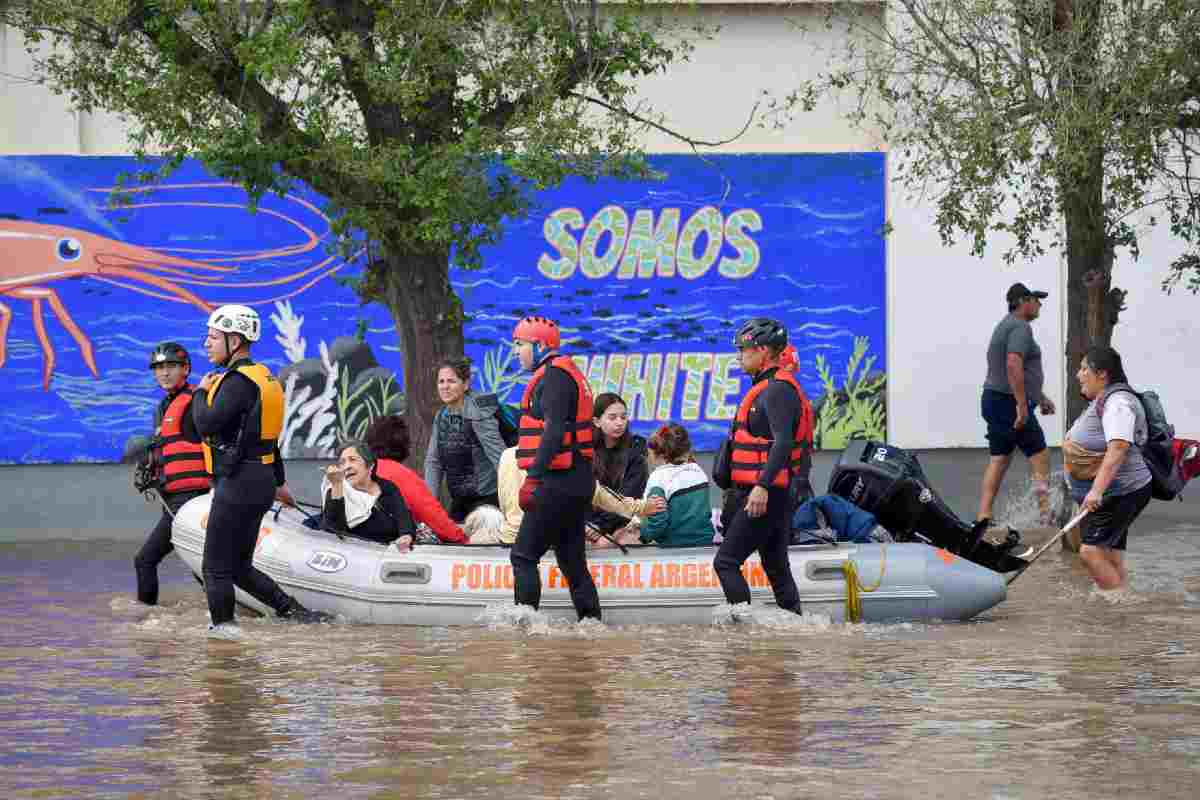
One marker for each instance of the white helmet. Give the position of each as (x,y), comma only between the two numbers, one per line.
(241,320)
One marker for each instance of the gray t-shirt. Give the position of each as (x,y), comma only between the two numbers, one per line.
(1124,419)
(1014,335)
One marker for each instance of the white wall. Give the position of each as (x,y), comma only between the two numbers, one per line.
(942,302)
(35,121)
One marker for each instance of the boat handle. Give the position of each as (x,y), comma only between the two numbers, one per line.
(405,573)
(824,570)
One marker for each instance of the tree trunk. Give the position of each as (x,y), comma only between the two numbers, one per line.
(1089,280)
(429,323)
(1092,303)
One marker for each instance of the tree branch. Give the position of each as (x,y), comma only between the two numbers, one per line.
(233,84)
(664,129)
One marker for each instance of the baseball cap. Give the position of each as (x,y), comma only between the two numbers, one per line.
(1019,291)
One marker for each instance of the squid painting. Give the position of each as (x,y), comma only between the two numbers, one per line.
(35,256)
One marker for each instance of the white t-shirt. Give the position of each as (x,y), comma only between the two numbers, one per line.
(1122,420)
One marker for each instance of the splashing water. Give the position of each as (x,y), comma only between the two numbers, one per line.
(1021,506)
(769,618)
(1117,597)
(508,617)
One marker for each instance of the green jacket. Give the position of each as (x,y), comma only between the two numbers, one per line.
(687,522)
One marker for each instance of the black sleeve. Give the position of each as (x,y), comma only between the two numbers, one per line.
(333,514)
(637,473)
(236,396)
(559,396)
(783,413)
(633,484)
(280,472)
(397,511)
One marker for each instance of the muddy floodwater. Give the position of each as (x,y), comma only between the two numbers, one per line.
(1058,692)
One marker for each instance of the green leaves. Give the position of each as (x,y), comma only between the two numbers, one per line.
(426,124)
(1006,111)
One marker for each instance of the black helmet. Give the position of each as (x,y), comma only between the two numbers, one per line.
(169,353)
(761,331)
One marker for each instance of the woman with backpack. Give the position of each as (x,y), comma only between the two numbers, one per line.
(1107,473)
(466,443)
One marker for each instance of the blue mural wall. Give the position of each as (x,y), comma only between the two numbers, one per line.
(648,280)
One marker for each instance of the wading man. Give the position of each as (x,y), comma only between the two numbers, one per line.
(240,414)
(176,461)
(555,449)
(770,440)
(1011,393)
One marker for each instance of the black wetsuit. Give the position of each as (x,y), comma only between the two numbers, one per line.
(390,518)
(562,503)
(239,503)
(775,416)
(158,545)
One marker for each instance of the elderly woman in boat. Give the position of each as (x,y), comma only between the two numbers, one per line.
(388,437)
(359,503)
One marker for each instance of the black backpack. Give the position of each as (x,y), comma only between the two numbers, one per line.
(1158,452)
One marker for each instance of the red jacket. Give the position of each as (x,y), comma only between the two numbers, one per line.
(421,502)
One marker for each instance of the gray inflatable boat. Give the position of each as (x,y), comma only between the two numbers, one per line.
(437,585)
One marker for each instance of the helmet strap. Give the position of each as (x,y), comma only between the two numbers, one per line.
(769,361)
(229,350)
(541,353)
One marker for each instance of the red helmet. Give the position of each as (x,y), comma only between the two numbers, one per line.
(538,329)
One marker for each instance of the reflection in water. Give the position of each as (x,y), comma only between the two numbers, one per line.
(767,708)
(225,715)
(1056,693)
(560,738)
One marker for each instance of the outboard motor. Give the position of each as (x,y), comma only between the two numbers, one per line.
(889,482)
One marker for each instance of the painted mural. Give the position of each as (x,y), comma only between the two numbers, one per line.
(648,281)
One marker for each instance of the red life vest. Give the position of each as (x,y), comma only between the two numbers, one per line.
(577,439)
(182,461)
(749,453)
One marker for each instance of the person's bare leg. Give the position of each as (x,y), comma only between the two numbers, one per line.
(993,476)
(1039,465)
(1107,574)
(1117,559)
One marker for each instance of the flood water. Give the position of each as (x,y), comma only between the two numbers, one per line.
(1058,692)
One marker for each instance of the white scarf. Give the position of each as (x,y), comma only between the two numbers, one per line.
(358,503)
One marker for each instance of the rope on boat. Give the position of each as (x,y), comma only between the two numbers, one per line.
(854,587)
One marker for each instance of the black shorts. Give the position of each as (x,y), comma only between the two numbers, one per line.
(1108,525)
(1000,412)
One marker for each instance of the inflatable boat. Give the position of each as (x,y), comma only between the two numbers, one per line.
(435,585)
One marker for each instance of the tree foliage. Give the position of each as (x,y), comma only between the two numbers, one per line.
(398,111)
(426,123)
(1051,124)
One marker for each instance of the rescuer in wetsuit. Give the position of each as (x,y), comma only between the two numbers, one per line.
(555,448)
(240,414)
(175,461)
(770,441)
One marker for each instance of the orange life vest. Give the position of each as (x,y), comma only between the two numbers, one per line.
(263,423)
(182,461)
(749,453)
(577,439)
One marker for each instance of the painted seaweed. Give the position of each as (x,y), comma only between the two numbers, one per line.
(856,410)
(333,404)
(495,377)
